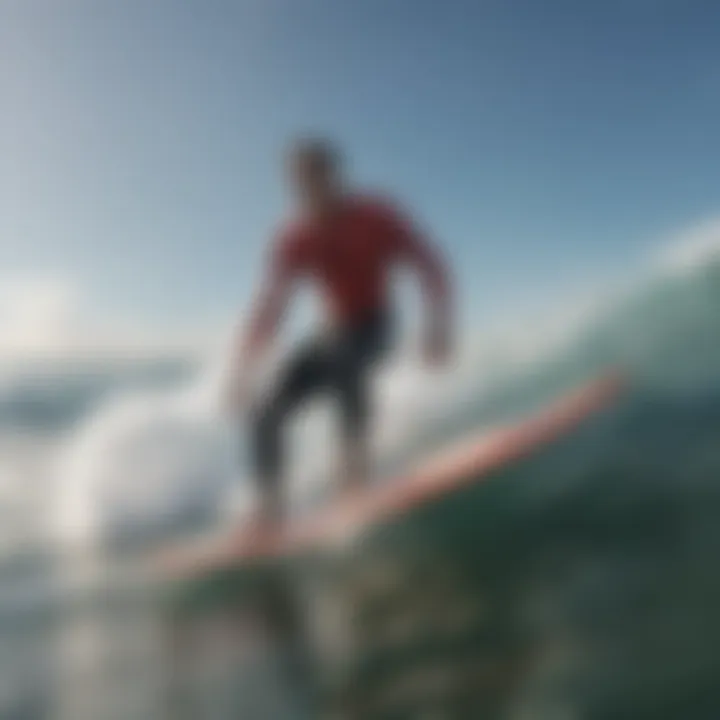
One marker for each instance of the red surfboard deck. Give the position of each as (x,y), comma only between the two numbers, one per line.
(467,462)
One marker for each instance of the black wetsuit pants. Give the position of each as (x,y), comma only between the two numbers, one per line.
(337,364)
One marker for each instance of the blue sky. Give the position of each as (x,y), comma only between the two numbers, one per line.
(546,144)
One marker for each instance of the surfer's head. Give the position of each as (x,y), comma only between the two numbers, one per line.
(315,172)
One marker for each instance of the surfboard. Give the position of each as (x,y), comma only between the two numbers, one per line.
(218,564)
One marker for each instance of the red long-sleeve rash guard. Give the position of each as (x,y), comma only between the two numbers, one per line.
(350,256)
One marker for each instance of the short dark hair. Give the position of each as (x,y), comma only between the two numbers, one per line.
(320,152)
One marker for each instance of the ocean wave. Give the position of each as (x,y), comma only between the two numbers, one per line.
(621,518)
(149,448)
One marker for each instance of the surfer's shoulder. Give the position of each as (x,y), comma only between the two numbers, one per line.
(376,206)
(290,241)
(292,231)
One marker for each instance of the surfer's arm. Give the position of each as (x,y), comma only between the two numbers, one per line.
(417,252)
(269,306)
(255,336)
(251,342)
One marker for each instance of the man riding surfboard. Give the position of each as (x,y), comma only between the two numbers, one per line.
(347,244)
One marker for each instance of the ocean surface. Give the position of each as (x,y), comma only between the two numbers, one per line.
(598,564)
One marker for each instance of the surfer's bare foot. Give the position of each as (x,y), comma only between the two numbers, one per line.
(262,525)
(351,489)
(355,469)
(257,532)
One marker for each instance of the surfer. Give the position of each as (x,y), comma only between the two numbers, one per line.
(347,244)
